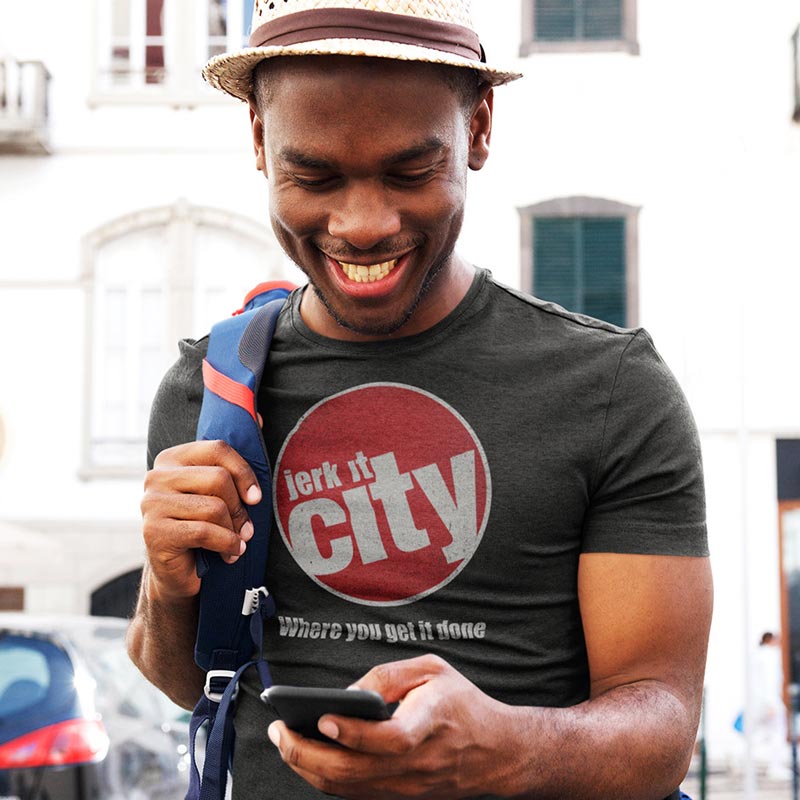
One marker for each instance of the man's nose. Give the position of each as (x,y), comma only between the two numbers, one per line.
(364,216)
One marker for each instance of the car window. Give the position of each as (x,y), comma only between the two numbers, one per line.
(24,677)
(36,685)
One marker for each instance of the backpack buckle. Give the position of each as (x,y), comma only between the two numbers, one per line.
(217,681)
(252,600)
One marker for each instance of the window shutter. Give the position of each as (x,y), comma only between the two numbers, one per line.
(555,261)
(604,292)
(579,263)
(566,20)
(555,20)
(602,19)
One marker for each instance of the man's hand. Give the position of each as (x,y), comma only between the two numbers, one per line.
(195,496)
(447,739)
(646,621)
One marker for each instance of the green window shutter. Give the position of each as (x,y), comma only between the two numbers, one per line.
(556,275)
(556,20)
(602,19)
(604,269)
(579,263)
(569,20)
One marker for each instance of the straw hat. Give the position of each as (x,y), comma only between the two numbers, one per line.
(435,31)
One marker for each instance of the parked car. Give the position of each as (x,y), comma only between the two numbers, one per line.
(78,720)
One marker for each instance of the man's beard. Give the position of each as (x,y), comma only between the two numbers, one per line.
(390,327)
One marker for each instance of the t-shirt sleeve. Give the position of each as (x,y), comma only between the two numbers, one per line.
(648,495)
(176,405)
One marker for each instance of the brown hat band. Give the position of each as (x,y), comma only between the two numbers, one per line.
(359,23)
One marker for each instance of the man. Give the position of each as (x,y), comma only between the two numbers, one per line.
(490,509)
(770,724)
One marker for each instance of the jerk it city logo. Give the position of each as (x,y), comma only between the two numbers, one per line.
(382,493)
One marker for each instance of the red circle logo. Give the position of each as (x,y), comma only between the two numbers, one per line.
(382,493)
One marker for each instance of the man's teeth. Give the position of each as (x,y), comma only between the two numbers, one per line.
(368,274)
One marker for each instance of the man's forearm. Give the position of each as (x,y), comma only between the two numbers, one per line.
(634,741)
(161,643)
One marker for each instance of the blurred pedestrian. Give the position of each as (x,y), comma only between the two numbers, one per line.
(770,731)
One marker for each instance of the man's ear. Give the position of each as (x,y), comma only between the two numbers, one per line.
(258,137)
(480,128)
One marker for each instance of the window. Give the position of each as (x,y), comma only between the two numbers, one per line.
(578,25)
(24,107)
(153,278)
(12,598)
(581,253)
(154,50)
(580,264)
(25,673)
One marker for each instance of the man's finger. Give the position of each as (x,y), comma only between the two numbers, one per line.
(395,679)
(181,535)
(215,453)
(329,767)
(202,481)
(209,505)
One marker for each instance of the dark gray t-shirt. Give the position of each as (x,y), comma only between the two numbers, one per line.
(434,494)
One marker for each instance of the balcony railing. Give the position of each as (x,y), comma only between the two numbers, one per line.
(24,107)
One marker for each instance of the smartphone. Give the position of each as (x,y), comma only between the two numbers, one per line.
(300,707)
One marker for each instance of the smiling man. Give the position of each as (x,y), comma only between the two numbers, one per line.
(487,509)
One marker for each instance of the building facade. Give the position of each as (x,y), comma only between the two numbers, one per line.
(645,170)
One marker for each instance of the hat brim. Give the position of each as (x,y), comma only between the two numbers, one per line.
(233,72)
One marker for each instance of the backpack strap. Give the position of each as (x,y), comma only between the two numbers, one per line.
(233,601)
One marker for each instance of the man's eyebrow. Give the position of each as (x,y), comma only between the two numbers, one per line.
(304,160)
(430,146)
(297,158)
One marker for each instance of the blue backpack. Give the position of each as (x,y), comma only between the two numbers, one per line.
(233,599)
